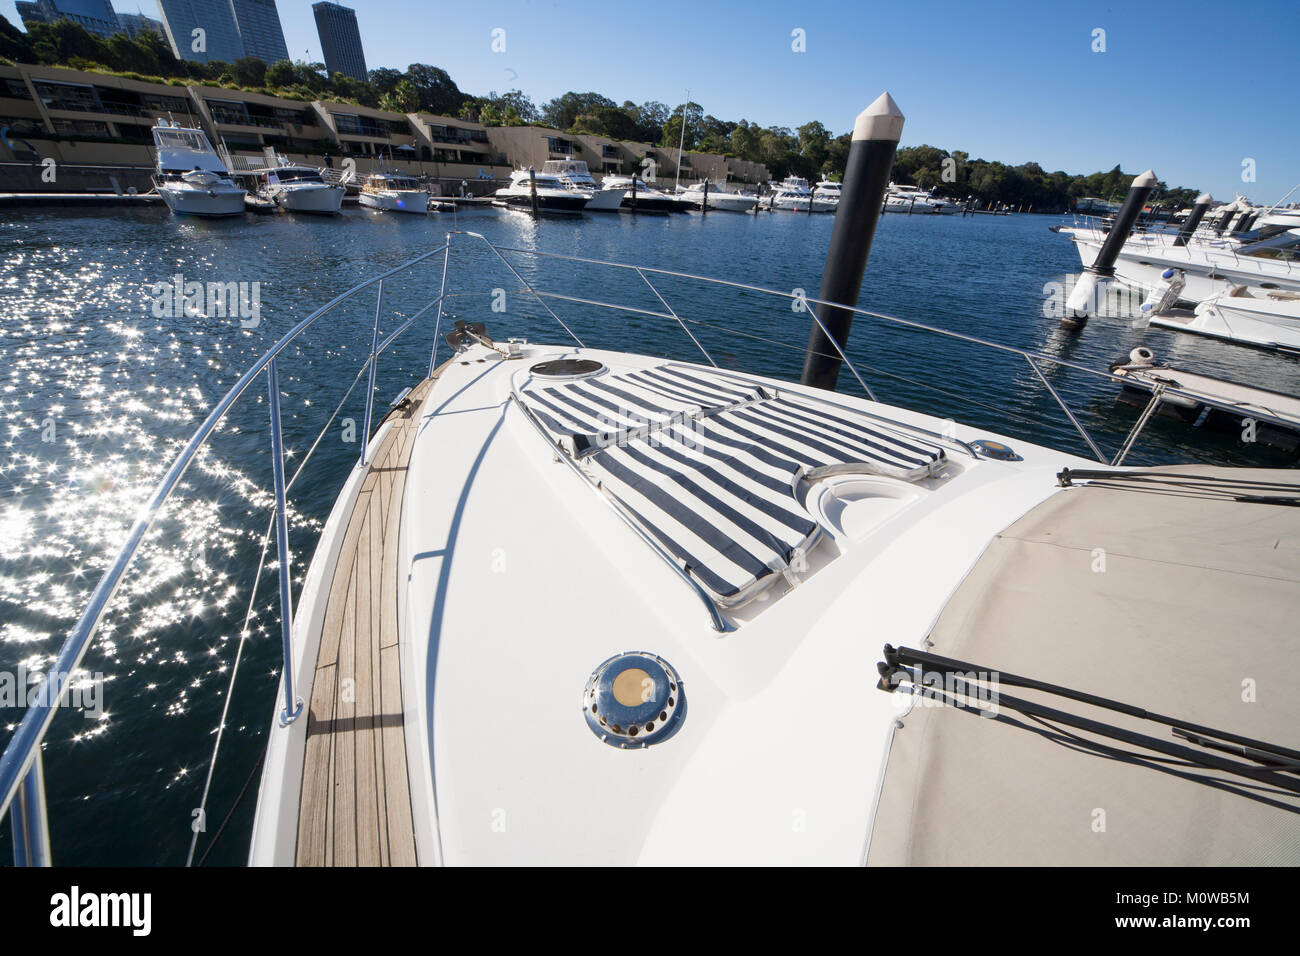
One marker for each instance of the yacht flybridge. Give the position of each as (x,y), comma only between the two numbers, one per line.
(189,176)
(577,605)
(574,176)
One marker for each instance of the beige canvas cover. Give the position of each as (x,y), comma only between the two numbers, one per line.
(1179,600)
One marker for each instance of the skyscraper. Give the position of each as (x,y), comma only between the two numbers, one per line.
(259,29)
(96,16)
(219,39)
(340,39)
(133,24)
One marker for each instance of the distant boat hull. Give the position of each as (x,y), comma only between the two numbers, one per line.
(652,202)
(546,201)
(726,202)
(214,201)
(396,200)
(314,199)
(1264,323)
(605,200)
(800,204)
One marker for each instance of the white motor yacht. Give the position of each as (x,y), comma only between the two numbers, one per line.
(640,196)
(794,195)
(1269,320)
(573,173)
(553,194)
(190,176)
(296,188)
(578,605)
(913,199)
(719,198)
(394,192)
(829,190)
(1211,267)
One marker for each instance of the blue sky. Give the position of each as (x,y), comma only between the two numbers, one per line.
(1190,89)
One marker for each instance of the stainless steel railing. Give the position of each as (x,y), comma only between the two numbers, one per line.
(22,791)
(21,780)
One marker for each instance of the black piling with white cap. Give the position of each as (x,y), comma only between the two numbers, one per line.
(532,190)
(1086,292)
(866,177)
(1225,218)
(1193,219)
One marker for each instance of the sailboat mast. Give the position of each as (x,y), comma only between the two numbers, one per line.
(681,142)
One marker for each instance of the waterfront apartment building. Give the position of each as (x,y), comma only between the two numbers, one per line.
(97,16)
(340,39)
(231,29)
(100,124)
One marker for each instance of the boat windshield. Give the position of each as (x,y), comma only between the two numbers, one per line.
(181,139)
(295,174)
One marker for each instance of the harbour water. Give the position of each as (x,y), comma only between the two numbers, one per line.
(100,388)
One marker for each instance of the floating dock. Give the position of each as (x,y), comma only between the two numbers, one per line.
(1202,399)
(48,200)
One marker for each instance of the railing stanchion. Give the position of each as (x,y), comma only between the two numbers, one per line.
(292,704)
(28,821)
(1157,394)
(442,294)
(1065,408)
(370,388)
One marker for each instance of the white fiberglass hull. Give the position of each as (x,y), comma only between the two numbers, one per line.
(605,200)
(717,792)
(190,200)
(800,204)
(323,200)
(726,202)
(1207,273)
(1265,323)
(396,200)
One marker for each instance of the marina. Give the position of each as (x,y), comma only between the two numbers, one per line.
(370,537)
(474,450)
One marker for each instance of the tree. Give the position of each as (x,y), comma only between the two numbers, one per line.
(402,99)
(435,90)
(280,75)
(563,110)
(249,71)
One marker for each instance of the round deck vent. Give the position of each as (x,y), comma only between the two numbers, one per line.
(634,699)
(567,368)
(995,450)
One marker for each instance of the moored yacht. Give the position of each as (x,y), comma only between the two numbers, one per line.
(794,195)
(552,193)
(829,190)
(639,196)
(914,199)
(591,605)
(297,188)
(718,198)
(1210,268)
(393,192)
(573,173)
(189,176)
